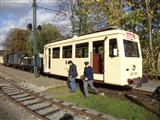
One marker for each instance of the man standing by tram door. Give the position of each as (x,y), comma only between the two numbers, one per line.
(72,73)
(88,79)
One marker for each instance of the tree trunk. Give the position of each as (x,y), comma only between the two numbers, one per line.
(150,33)
(150,40)
(149,17)
(158,65)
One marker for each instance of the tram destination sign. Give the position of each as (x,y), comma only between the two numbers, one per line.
(130,36)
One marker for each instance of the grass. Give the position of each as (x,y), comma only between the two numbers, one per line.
(118,108)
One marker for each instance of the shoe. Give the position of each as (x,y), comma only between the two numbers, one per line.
(86,97)
(139,85)
(95,92)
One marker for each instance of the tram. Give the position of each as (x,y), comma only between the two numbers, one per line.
(115,56)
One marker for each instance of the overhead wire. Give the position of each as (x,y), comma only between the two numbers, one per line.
(48,9)
(30,8)
(24,15)
(51,10)
(26,12)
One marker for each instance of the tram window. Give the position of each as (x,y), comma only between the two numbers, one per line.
(82,50)
(67,51)
(55,52)
(112,46)
(98,47)
(130,48)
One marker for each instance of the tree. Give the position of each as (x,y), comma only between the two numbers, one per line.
(92,15)
(29,45)
(20,41)
(47,34)
(79,16)
(16,41)
(70,6)
(144,19)
(83,16)
(113,12)
(151,7)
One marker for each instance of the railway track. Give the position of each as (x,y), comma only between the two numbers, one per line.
(43,107)
(137,96)
(145,99)
(140,97)
(151,76)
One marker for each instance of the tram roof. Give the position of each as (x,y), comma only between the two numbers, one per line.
(90,35)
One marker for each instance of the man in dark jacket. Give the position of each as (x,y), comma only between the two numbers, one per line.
(72,73)
(88,79)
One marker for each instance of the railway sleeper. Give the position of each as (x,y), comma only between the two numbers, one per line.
(15,93)
(40,107)
(32,102)
(55,114)
(25,98)
(12,91)
(21,96)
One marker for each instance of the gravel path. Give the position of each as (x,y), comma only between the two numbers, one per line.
(27,79)
(10,111)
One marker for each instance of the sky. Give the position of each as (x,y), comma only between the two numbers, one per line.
(18,13)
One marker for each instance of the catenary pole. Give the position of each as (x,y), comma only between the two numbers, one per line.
(35,38)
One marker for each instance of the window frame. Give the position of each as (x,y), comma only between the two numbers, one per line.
(81,46)
(53,53)
(65,47)
(137,52)
(113,48)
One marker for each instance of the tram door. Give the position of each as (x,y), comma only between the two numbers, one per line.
(98,57)
(113,62)
(49,58)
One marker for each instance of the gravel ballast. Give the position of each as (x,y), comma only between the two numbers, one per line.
(11,111)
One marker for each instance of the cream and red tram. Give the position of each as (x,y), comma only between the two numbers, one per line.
(115,56)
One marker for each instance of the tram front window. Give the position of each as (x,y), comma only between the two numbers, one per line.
(131,48)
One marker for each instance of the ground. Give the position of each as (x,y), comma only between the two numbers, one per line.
(118,108)
(110,105)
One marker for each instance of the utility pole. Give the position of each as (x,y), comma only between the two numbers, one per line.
(35,38)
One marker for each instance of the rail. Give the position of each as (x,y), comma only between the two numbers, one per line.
(27,98)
